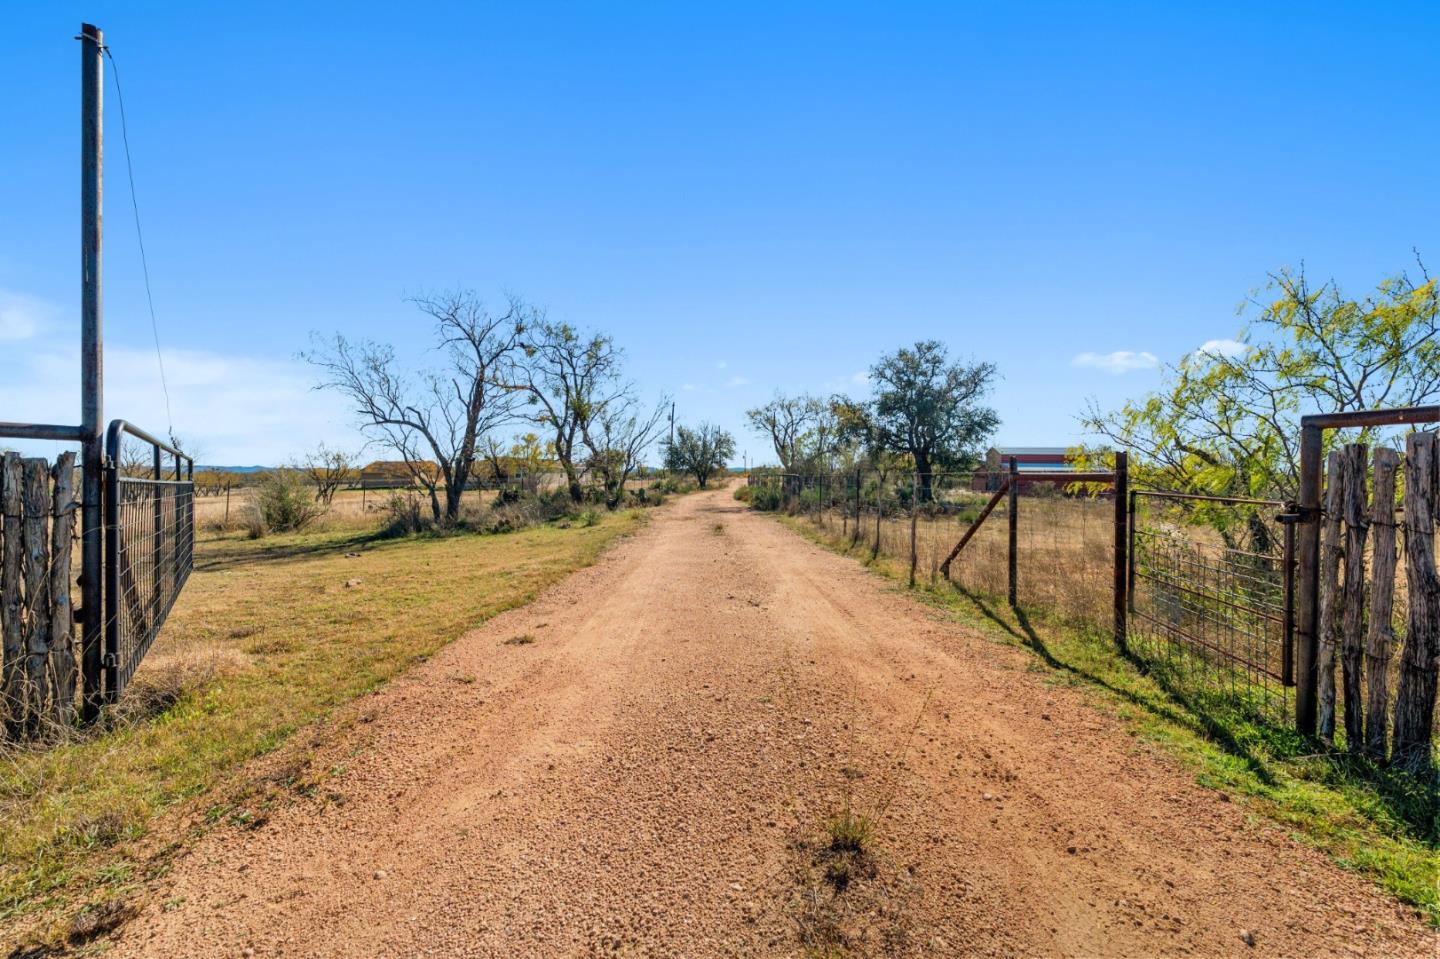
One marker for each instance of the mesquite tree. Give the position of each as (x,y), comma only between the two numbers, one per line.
(328,469)
(569,380)
(617,436)
(701,452)
(439,415)
(1226,421)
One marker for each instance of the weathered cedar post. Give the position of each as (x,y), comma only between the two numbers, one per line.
(1308,606)
(1014,559)
(12,480)
(1331,552)
(1380,639)
(1415,699)
(1122,546)
(1357,525)
(92,43)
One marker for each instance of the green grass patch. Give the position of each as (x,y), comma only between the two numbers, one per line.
(1379,824)
(270,635)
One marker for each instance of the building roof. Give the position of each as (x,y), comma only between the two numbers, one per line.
(1056,451)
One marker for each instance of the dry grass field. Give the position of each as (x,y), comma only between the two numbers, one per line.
(269,635)
(1065,544)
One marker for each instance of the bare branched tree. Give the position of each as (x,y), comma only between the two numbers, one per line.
(441,415)
(617,436)
(328,469)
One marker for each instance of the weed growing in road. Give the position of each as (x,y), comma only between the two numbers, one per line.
(718,529)
(850,832)
(524,639)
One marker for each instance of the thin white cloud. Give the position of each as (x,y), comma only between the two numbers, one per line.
(22,316)
(233,410)
(1226,348)
(861,378)
(721,364)
(690,387)
(735,381)
(1120,361)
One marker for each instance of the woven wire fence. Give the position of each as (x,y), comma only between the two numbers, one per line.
(1064,538)
(154,536)
(1211,603)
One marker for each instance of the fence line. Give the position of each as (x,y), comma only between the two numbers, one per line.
(1210,591)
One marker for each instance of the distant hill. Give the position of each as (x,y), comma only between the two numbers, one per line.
(231,469)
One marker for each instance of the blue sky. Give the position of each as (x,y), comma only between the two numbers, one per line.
(749,197)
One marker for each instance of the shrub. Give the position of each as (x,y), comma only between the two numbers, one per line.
(589,518)
(766,498)
(743,493)
(404,515)
(285,503)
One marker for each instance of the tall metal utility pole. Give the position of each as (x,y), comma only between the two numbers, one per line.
(92,79)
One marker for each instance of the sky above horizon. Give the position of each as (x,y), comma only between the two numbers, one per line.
(748,197)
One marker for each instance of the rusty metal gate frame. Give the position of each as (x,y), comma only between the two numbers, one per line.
(157,560)
(1189,582)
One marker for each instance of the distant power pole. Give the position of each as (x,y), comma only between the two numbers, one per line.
(672,424)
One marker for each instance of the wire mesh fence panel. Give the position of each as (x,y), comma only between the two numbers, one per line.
(1211,600)
(154,535)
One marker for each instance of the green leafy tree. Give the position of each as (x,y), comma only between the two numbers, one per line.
(701,452)
(1227,419)
(930,408)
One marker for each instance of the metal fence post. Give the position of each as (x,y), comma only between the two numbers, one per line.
(914,514)
(1013,566)
(1308,603)
(1122,544)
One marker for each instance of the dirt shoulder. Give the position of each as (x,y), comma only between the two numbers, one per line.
(644,762)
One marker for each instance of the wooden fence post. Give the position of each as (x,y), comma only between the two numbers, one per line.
(62,608)
(1012,570)
(37,590)
(914,515)
(1329,596)
(1381,637)
(1122,548)
(13,592)
(1354,463)
(1415,699)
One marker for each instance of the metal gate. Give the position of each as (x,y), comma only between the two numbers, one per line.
(1211,614)
(149,545)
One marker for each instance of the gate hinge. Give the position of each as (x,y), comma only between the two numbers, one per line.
(111,661)
(1295,513)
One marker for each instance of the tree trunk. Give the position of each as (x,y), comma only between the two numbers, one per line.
(1381,637)
(1415,700)
(1329,597)
(1354,465)
(922,467)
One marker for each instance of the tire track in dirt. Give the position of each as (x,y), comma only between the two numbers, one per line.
(652,775)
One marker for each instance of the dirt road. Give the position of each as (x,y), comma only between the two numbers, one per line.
(644,763)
